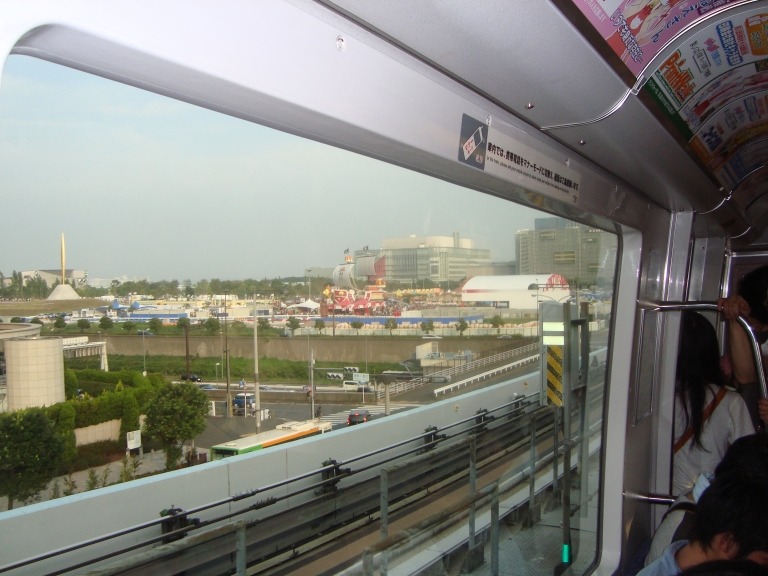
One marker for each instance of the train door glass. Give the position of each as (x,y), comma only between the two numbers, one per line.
(162,200)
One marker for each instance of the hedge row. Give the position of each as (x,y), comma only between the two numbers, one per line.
(130,395)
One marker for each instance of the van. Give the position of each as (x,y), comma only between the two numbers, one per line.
(350,385)
(241,402)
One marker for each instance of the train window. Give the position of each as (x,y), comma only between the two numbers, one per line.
(193,213)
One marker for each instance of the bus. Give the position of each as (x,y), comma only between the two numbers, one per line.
(285,432)
(615,143)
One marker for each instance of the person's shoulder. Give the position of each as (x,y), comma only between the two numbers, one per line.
(665,565)
(740,567)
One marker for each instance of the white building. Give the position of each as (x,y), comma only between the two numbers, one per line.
(521,292)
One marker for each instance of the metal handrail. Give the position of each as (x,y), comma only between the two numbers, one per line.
(712,307)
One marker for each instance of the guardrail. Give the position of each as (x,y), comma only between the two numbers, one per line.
(485,375)
(407,385)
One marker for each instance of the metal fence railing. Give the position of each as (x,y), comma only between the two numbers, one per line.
(472,366)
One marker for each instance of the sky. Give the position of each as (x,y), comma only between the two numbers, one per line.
(143,186)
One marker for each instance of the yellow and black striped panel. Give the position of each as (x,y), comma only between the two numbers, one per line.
(555,375)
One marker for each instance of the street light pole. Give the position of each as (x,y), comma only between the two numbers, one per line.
(226,358)
(312,381)
(144,350)
(256,399)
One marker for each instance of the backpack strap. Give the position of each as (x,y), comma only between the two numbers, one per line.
(683,440)
(684,505)
(685,527)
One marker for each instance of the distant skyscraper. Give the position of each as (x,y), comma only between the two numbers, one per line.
(435,258)
(572,250)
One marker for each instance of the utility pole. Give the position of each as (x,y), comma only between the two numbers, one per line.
(226,359)
(257,400)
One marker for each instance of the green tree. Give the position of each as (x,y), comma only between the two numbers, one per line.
(293,324)
(212,325)
(461,326)
(390,324)
(129,325)
(70,486)
(183,323)
(71,383)
(30,454)
(83,324)
(189,290)
(356,325)
(97,480)
(427,326)
(65,427)
(130,465)
(264,324)
(60,323)
(130,420)
(175,415)
(320,325)
(203,287)
(105,323)
(155,324)
(497,322)
(36,287)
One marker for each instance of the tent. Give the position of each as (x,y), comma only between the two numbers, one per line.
(307,305)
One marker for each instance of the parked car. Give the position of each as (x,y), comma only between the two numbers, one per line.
(191,377)
(144,332)
(208,387)
(358,417)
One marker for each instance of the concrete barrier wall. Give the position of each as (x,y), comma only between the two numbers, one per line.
(348,350)
(141,500)
(98,432)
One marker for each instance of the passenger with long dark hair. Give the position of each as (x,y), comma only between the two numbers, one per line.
(709,417)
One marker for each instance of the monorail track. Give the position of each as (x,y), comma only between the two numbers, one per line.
(330,531)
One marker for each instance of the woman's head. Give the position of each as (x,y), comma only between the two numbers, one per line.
(698,358)
(698,367)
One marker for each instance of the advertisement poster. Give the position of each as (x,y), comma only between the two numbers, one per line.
(636,30)
(488,149)
(715,90)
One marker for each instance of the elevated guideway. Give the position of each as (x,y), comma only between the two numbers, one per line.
(254,513)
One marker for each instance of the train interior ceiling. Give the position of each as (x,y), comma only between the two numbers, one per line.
(655,129)
(647,122)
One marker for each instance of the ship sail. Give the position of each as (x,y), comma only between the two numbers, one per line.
(343,276)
